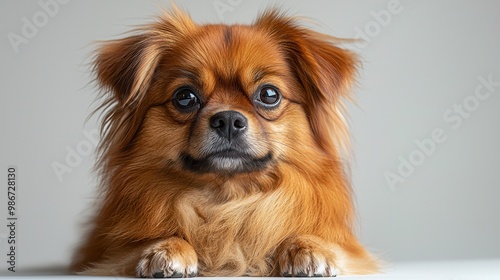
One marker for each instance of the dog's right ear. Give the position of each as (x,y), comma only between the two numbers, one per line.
(126,66)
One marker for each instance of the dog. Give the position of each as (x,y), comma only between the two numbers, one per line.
(221,153)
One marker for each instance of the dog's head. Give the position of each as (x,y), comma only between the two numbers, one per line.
(224,100)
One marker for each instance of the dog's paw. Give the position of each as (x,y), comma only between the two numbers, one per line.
(304,257)
(171,258)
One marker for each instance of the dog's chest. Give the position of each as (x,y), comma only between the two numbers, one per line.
(234,237)
(203,219)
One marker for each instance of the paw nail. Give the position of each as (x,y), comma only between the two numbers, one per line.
(177,275)
(159,275)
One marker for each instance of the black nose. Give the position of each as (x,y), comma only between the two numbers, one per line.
(229,124)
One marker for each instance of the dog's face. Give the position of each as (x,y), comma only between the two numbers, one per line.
(229,102)
(224,100)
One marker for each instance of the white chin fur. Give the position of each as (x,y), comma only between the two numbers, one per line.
(226,163)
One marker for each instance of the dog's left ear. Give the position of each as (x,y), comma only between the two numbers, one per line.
(325,72)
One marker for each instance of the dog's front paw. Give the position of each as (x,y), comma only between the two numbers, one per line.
(171,258)
(304,257)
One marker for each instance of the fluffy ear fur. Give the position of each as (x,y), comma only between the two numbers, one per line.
(126,66)
(324,70)
(125,69)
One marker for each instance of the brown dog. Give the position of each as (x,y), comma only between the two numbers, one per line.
(221,153)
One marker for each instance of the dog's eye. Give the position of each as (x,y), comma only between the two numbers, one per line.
(185,99)
(269,96)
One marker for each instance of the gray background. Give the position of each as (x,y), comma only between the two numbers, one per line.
(428,57)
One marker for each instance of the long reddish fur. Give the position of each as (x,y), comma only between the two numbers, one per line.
(237,226)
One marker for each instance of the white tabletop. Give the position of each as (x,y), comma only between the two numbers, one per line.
(438,270)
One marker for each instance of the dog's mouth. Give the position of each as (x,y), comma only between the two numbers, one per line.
(228,161)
